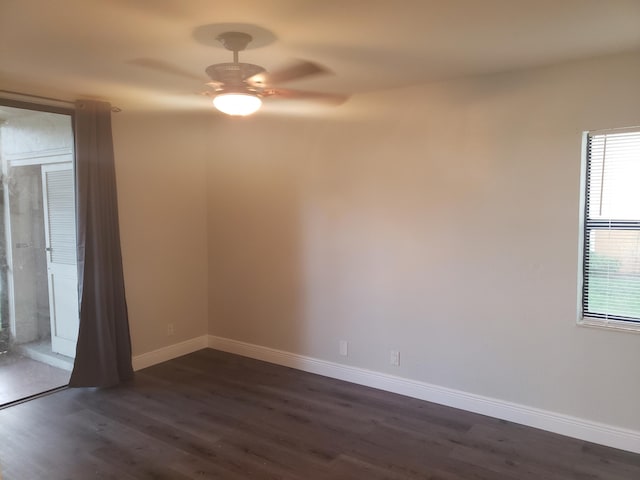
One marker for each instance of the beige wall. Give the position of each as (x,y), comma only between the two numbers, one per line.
(439,220)
(160,167)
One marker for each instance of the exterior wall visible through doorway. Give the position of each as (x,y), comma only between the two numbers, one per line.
(28,140)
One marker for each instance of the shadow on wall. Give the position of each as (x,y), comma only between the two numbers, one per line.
(313,235)
(256,289)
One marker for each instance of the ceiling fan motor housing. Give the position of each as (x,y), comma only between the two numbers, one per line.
(232,72)
(233,77)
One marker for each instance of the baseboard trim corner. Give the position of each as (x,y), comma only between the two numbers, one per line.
(170,352)
(579,428)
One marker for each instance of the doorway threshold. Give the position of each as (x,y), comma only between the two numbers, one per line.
(22,377)
(41,352)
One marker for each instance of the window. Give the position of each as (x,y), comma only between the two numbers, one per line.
(38,273)
(611,239)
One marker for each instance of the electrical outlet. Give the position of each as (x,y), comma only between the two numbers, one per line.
(394,357)
(344,348)
(170,329)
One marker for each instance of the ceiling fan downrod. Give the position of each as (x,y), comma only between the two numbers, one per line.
(235,41)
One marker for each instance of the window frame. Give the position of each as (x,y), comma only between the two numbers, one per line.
(585,318)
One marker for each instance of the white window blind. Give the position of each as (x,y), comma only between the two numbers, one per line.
(611,263)
(62,220)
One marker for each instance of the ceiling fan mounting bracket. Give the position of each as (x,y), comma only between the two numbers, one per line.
(235,41)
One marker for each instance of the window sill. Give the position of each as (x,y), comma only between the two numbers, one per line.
(616,325)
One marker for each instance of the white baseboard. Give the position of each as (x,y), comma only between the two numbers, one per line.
(167,353)
(554,422)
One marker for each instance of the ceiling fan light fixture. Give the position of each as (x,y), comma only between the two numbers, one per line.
(237,104)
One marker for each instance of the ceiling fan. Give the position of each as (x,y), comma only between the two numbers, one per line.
(238,88)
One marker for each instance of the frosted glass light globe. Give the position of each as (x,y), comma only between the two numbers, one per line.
(237,104)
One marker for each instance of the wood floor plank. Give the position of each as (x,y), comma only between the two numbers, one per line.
(213,415)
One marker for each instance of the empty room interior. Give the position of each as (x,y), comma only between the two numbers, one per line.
(416,255)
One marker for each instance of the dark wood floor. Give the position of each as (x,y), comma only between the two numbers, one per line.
(211,415)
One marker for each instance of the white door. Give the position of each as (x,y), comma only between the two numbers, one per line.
(60,230)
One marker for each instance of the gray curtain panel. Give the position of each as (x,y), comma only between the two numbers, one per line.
(103,353)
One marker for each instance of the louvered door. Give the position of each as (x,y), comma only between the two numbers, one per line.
(60,230)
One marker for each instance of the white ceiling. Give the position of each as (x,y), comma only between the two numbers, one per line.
(73,48)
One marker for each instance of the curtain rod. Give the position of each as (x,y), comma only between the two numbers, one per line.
(51,99)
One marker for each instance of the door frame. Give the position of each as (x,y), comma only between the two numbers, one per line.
(10,161)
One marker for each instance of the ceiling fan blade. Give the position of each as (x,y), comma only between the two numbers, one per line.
(288,94)
(165,67)
(294,71)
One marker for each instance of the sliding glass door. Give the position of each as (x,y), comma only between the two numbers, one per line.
(38,277)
